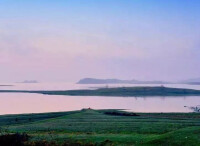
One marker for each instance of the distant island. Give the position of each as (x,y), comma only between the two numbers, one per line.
(117,81)
(29,81)
(120,91)
(192,83)
(195,81)
(5,85)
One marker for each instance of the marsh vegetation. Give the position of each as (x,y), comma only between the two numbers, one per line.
(105,127)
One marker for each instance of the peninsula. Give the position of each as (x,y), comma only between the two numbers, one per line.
(120,91)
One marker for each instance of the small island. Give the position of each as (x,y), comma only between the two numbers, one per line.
(120,91)
(5,85)
(29,81)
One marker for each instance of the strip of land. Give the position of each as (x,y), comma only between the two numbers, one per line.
(120,91)
(103,127)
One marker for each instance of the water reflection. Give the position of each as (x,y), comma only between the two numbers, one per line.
(12,103)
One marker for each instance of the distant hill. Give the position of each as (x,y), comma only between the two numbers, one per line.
(116,81)
(29,81)
(195,81)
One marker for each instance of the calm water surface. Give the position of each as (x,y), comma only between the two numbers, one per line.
(15,103)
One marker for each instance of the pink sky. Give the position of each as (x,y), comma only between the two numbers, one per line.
(97,41)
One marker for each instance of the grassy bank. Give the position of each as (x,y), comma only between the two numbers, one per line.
(111,127)
(120,91)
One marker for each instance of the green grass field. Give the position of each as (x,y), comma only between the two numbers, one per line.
(102,127)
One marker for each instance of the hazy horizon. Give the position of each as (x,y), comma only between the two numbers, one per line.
(53,41)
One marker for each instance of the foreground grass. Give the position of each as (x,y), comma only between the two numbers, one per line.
(97,127)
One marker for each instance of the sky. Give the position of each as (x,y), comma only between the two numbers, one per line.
(66,40)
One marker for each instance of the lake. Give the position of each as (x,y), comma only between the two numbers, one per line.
(17,103)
